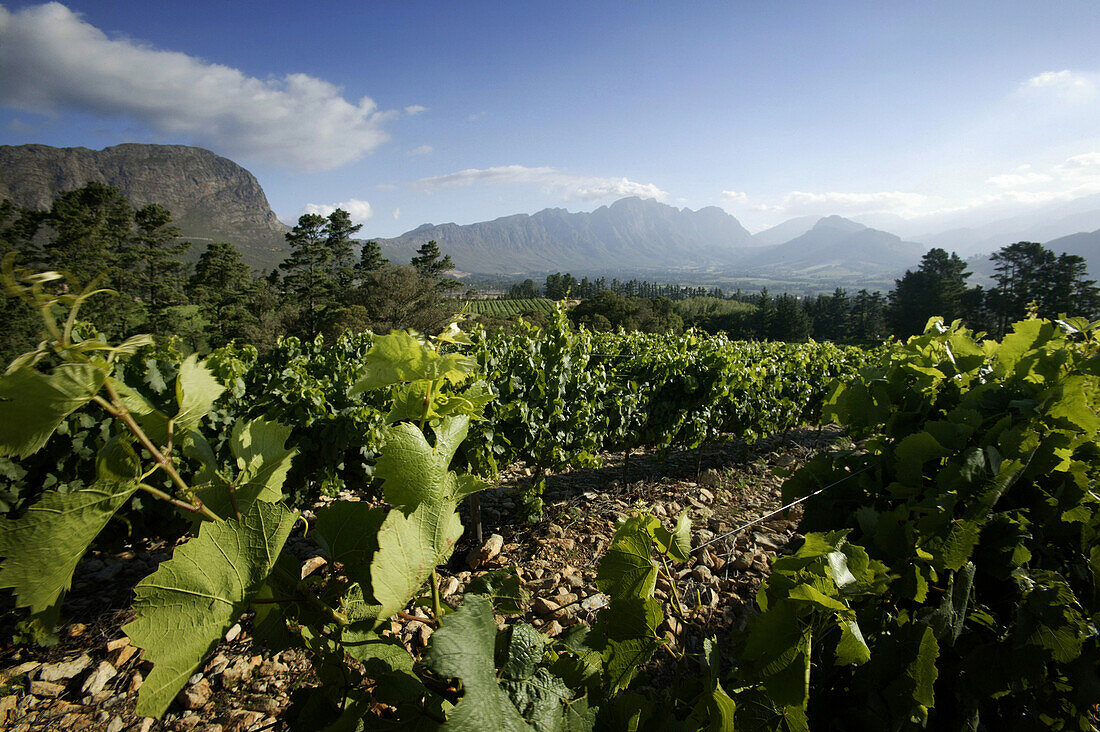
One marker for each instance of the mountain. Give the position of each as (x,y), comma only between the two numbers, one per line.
(1042,224)
(837,247)
(784,232)
(1084,244)
(631,234)
(211,198)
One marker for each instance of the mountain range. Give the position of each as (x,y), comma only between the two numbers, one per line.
(213,198)
(639,236)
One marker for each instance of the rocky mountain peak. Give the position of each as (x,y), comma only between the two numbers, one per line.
(211,198)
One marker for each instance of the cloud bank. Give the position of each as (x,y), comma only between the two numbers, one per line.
(52,61)
(360,211)
(551,180)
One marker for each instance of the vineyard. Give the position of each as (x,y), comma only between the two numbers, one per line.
(510,307)
(944,573)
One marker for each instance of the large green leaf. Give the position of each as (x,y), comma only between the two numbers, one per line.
(196,392)
(263,460)
(414,471)
(188,604)
(41,549)
(675,543)
(627,569)
(463,648)
(504,589)
(409,548)
(399,357)
(32,404)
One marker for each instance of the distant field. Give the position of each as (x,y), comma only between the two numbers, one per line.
(510,308)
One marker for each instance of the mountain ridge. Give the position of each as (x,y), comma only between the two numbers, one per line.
(641,233)
(211,197)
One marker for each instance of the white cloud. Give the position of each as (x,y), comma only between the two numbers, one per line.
(52,61)
(551,180)
(475,116)
(1013,180)
(736,197)
(396,214)
(1066,85)
(360,211)
(422,150)
(415,109)
(386,187)
(898,202)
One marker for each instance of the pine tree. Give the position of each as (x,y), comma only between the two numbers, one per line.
(338,232)
(150,265)
(430,262)
(370,259)
(307,275)
(220,287)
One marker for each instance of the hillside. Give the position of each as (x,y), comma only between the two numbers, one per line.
(630,234)
(836,246)
(212,198)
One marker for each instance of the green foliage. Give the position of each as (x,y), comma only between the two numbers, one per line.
(42,548)
(463,648)
(975,490)
(186,606)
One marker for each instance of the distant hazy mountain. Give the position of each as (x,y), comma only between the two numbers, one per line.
(630,234)
(1043,224)
(1085,244)
(783,233)
(837,246)
(211,197)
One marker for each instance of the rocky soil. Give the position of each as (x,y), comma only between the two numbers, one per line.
(89,680)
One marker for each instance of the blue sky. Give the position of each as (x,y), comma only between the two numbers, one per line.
(414,112)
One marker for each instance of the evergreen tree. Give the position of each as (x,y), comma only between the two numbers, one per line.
(307,270)
(789,321)
(523,290)
(937,287)
(338,233)
(220,287)
(430,262)
(1027,272)
(869,317)
(150,265)
(370,259)
(320,270)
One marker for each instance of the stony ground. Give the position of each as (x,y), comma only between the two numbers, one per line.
(89,680)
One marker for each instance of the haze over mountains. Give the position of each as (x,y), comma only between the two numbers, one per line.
(213,198)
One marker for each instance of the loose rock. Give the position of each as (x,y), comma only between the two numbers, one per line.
(64,670)
(489,551)
(98,679)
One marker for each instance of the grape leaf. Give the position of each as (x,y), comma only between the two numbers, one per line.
(675,543)
(414,471)
(626,569)
(260,450)
(409,548)
(187,605)
(196,392)
(463,648)
(32,404)
(41,549)
(400,357)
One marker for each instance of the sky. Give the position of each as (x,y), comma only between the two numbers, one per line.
(405,113)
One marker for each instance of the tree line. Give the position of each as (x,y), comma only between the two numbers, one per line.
(321,287)
(325,287)
(1028,278)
